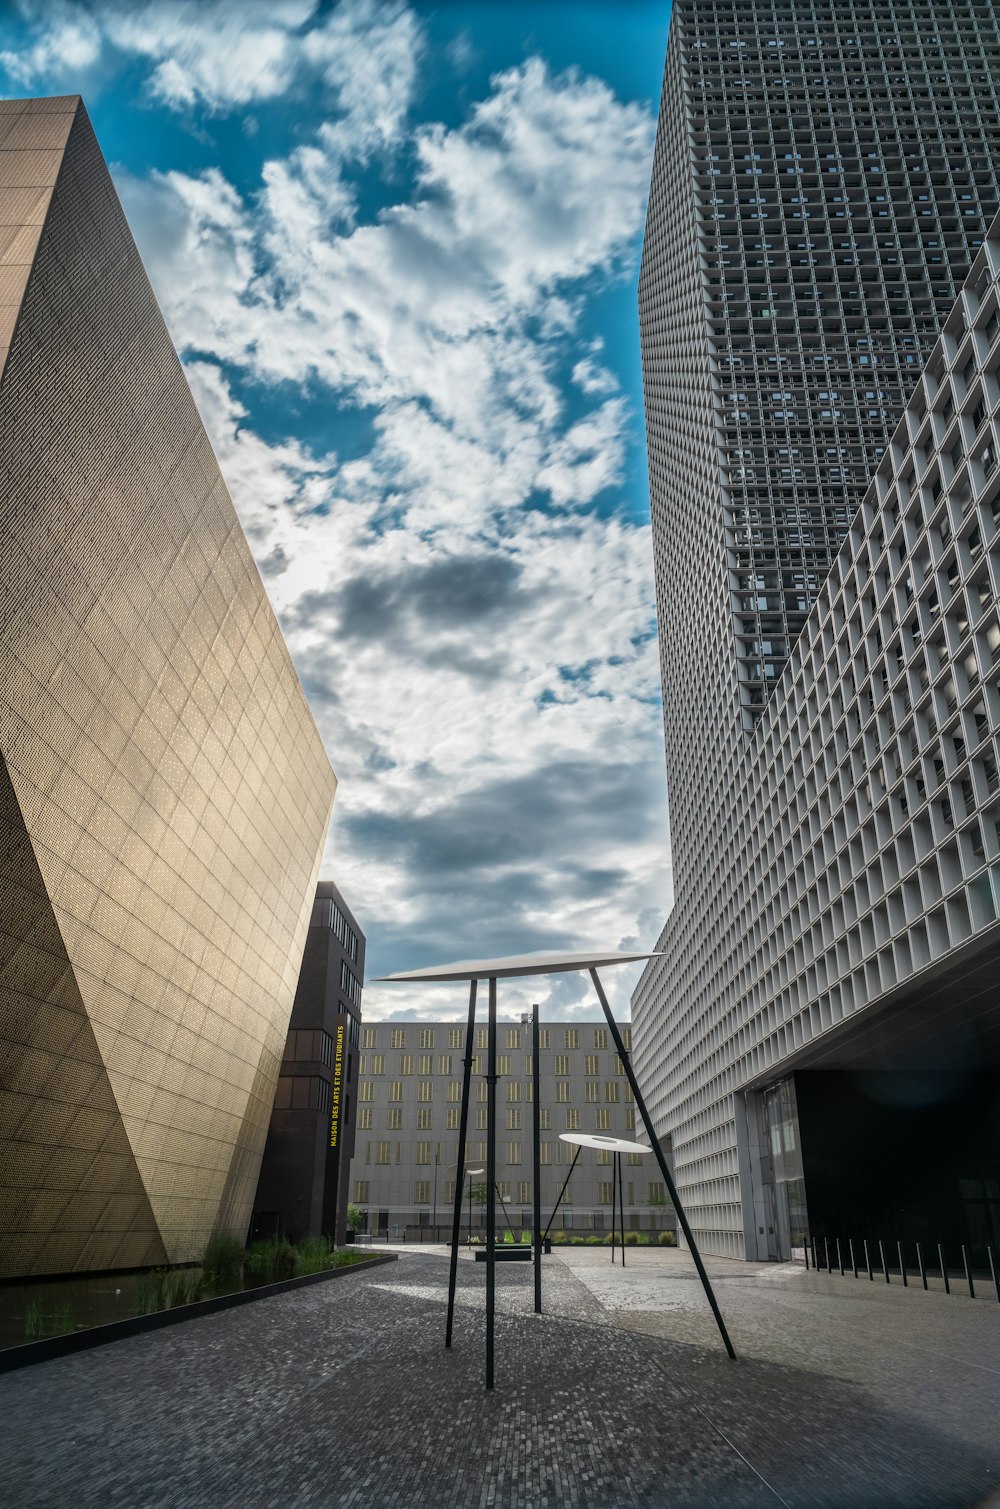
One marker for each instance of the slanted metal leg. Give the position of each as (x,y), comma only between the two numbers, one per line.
(661,1160)
(460,1166)
(491,1180)
(562,1191)
(614,1209)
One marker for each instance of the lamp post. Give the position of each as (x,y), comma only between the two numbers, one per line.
(472,1173)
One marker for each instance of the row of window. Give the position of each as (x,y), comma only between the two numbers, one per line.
(512,1037)
(383,1150)
(423,1063)
(518,1191)
(613,1091)
(326,913)
(425,1119)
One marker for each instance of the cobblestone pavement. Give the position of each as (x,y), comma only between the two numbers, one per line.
(846,1395)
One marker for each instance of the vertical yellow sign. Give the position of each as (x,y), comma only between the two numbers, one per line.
(338,1065)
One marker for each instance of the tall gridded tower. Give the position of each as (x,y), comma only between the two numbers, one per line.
(825,172)
(164,792)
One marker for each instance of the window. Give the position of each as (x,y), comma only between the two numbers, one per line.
(544,1119)
(422,1192)
(422,1152)
(513,1152)
(397,1037)
(425,1090)
(572,1120)
(378,1063)
(406,1064)
(503,1189)
(600,1038)
(449,1192)
(424,1119)
(606,1192)
(426,1063)
(629,1120)
(396,1090)
(611,1090)
(444,1064)
(572,1037)
(482,1118)
(591,1064)
(483,1039)
(545,1154)
(561,1063)
(513,1091)
(634,1160)
(513,1119)
(503,1063)
(456,1037)
(366,1090)
(627,1038)
(427,1037)
(477,1063)
(593,1091)
(657,1192)
(529,1062)
(365,1119)
(604,1121)
(369,1038)
(524,1192)
(454,1090)
(617,1066)
(513,1037)
(562,1091)
(361,1191)
(543,1037)
(383,1152)
(394,1119)
(604,1156)
(454,1116)
(482,1090)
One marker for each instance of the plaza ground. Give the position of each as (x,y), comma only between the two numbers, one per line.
(845,1394)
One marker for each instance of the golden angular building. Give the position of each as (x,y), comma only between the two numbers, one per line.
(164,792)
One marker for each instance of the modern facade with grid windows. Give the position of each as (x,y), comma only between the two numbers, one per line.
(409,1107)
(164,792)
(824,176)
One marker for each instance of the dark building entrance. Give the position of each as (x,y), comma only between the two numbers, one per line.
(905,1156)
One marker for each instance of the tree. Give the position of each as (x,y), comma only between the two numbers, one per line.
(357,1219)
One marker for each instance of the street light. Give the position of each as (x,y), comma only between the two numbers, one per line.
(472,1173)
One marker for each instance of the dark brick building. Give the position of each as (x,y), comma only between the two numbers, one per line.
(303,1188)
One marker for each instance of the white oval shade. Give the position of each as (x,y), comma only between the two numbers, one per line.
(605,1144)
(541,963)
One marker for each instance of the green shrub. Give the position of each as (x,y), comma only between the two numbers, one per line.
(578,1241)
(357,1218)
(631,1239)
(668,1239)
(282,1264)
(314,1255)
(508,1236)
(595,1241)
(525,1238)
(560,1238)
(32,1319)
(223,1260)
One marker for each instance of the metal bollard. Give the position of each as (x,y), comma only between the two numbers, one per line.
(902,1265)
(885,1266)
(944,1271)
(840,1259)
(826,1253)
(854,1259)
(968,1272)
(993,1270)
(920,1265)
(868,1262)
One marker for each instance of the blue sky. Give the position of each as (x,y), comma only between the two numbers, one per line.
(397,247)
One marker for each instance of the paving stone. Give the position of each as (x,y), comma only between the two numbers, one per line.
(844,1395)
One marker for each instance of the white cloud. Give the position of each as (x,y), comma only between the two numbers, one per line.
(70,43)
(474,636)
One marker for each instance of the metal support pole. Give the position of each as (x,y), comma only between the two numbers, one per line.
(840,1258)
(968,1272)
(921,1265)
(885,1265)
(826,1254)
(854,1256)
(491,1180)
(902,1265)
(944,1271)
(614,1198)
(661,1160)
(806,1251)
(621,1204)
(460,1167)
(536,1157)
(563,1190)
(993,1270)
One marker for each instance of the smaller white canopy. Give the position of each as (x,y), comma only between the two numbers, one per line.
(543,963)
(606,1144)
